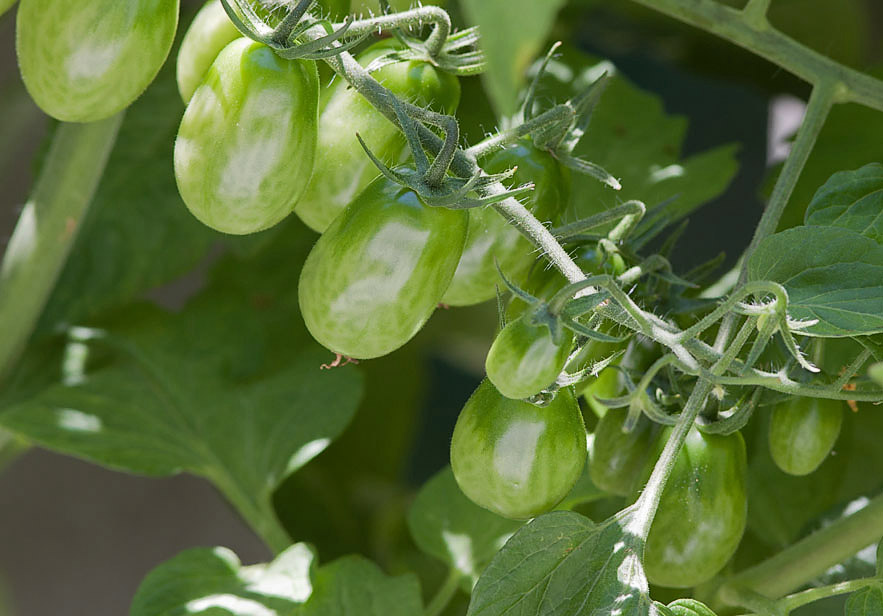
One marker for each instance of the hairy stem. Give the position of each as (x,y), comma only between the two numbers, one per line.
(47,228)
(809,557)
(648,502)
(413,18)
(758,37)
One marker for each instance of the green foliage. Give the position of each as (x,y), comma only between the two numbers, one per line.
(159,393)
(632,136)
(136,235)
(204,580)
(866,602)
(853,200)
(211,580)
(564,564)
(509,55)
(832,274)
(450,527)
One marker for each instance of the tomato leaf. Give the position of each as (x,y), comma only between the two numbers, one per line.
(203,580)
(865,602)
(832,274)
(229,388)
(632,136)
(850,138)
(212,580)
(562,564)
(447,525)
(851,199)
(512,33)
(689,607)
(354,586)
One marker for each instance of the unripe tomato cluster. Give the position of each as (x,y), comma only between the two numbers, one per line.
(261,138)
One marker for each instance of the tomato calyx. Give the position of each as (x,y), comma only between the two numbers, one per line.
(282,36)
(431,180)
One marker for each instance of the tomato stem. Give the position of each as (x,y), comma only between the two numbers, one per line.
(808,558)
(444,594)
(820,103)
(413,18)
(47,228)
(648,502)
(746,29)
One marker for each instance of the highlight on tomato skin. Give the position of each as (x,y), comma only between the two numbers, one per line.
(515,458)
(377,274)
(246,144)
(86,61)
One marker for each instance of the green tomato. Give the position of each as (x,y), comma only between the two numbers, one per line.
(377,274)
(85,61)
(514,458)
(803,432)
(492,238)
(246,145)
(702,513)
(617,458)
(343,169)
(524,359)
(209,32)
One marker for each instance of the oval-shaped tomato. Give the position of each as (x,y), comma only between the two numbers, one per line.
(702,513)
(514,458)
(85,61)
(524,359)
(377,274)
(492,238)
(246,145)
(209,32)
(803,432)
(617,458)
(344,169)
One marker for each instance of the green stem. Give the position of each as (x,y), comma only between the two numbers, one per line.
(414,18)
(758,37)
(48,226)
(258,513)
(810,557)
(444,594)
(648,502)
(792,602)
(816,112)
(555,115)
(755,13)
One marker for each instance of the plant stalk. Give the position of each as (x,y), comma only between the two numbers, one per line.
(809,557)
(760,38)
(47,228)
